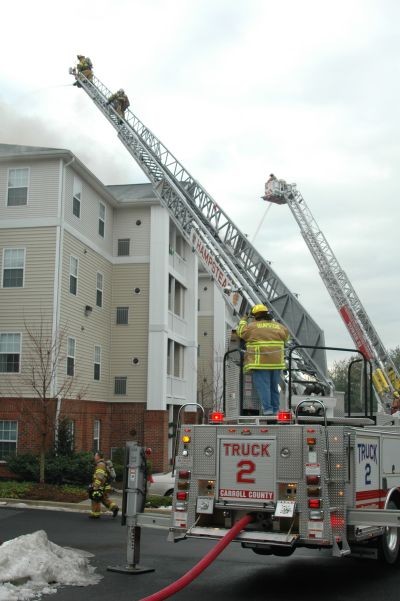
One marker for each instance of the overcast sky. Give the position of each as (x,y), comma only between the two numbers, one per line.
(236,90)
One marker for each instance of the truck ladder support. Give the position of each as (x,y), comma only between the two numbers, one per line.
(224,250)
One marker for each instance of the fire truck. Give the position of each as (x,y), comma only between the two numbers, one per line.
(317,481)
(315,475)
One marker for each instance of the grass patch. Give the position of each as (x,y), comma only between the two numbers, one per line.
(42,492)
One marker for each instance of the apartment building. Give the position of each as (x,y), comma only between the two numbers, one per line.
(99,279)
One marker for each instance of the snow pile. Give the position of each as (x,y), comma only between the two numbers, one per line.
(32,566)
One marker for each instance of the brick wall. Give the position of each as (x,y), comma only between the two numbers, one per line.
(119,422)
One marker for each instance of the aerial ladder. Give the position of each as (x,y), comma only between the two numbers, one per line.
(242,274)
(385,376)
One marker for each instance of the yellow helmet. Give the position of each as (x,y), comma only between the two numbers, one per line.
(259,309)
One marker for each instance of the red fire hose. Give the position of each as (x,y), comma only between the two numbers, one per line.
(179,584)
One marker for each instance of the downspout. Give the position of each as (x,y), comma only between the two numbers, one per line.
(58,281)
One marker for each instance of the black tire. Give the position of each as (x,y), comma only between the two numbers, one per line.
(282,551)
(261,551)
(389,542)
(169,493)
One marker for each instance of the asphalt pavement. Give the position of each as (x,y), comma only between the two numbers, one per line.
(235,575)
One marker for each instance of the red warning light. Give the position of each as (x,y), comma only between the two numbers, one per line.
(284,416)
(216,417)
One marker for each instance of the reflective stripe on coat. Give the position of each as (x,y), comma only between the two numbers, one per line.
(265,343)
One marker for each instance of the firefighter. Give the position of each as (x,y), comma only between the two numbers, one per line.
(85,67)
(120,102)
(100,488)
(264,357)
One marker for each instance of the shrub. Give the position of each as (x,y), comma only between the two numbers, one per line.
(59,469)
(14,490)
(25,466)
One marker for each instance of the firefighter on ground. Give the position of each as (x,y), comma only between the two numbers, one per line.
(264,356)
(100,488)
(120,102)
(85,67)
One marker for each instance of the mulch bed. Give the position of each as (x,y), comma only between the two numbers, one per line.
(49,492)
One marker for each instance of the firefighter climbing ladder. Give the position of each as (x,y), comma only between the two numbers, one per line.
(385,375)
(240,271)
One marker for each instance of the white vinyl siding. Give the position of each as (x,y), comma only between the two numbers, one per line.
(18,184)
(130,342)
(43,190)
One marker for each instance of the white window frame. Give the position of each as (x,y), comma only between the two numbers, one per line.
(99,288)
(72,274)
(71,354)
(96,434)
(6,353)
(176,297)
(5,251)
(175,359)
(102,219)
(13,187)
(97,361)
(14,421)
(77,195)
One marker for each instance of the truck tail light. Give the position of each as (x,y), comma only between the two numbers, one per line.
(181,496)
(284,416)
(314,503)
(184,474)
(216,417)
(313,480)
(311,441)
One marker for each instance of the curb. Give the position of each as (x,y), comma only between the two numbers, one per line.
(81,507)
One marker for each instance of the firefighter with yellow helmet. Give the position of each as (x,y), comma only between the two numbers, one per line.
(119,101)
(100,488)
(85,67)
(264,357)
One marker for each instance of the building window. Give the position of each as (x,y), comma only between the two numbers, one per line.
(76,198)
(10,351)
(8,438)
(73,275)
(120,385)
(99,289)
(17,187)
(70,432)
(176,297)
(96,435)
(122,315)
(123,247)
(71,357)
(175,357)
(180,245)
(102,218)
(13,267)
(97,363)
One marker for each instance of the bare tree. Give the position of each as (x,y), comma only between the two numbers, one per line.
(44,353)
